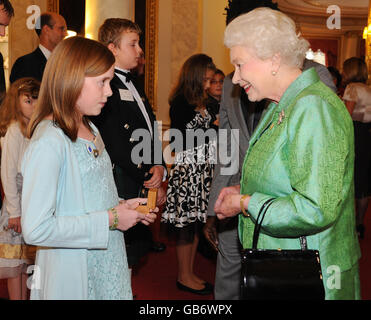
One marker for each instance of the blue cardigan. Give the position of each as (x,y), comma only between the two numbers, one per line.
(53,216)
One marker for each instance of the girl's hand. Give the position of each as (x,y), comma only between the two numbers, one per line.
(149,218)
(134,203)
(129,217)
(15,224)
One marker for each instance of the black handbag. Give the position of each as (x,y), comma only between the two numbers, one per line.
(280,274)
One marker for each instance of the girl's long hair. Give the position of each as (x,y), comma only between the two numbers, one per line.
(191,79)
(10,109)
(71,61)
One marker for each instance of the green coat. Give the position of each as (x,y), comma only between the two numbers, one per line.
(305,162)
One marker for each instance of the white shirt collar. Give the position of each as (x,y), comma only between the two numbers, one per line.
(124,70)
(45,51)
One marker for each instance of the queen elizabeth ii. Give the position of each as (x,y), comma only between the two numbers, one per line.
(301,154)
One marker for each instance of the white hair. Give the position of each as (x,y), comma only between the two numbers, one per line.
(267,32)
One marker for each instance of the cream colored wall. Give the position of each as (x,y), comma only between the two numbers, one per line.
(97,11)
(180,36)
(164,57)
(214,23)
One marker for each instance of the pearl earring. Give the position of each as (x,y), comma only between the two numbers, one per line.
(274,73)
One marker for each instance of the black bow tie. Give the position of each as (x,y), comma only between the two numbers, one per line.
(128,76)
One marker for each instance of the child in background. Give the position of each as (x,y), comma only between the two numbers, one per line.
(215,96)
(192,173)
(128,110)
(15,113)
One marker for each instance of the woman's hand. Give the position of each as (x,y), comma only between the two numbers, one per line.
(228,202)
(15,224)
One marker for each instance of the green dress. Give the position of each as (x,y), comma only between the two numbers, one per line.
(302,155)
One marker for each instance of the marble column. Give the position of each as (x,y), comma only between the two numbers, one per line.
(97,11)
(186,32)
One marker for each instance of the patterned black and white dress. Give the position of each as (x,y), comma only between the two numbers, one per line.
(191,175)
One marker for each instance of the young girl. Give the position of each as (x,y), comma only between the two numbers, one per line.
(190,178)
(70,202)
(15,114)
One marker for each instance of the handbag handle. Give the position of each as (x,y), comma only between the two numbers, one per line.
(259,221)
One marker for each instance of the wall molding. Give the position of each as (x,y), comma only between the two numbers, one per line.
(53,6)
(151,51)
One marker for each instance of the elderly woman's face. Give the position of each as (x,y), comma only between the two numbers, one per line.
(251,73)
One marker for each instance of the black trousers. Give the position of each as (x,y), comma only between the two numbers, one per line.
(138,239)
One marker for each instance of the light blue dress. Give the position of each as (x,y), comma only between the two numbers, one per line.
(65,197)
(108,273)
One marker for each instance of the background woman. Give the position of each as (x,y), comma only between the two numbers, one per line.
(357,98)
(15,114)
(301,153)
(190,178)
(70,202)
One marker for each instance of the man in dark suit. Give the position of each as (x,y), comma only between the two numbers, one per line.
(6,13)
(125,112)
(52,30)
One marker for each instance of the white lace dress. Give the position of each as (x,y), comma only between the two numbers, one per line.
(14,254)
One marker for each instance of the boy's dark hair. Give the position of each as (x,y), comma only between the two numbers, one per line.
(8,8)
(110,31)
(238,7)
(218,71)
